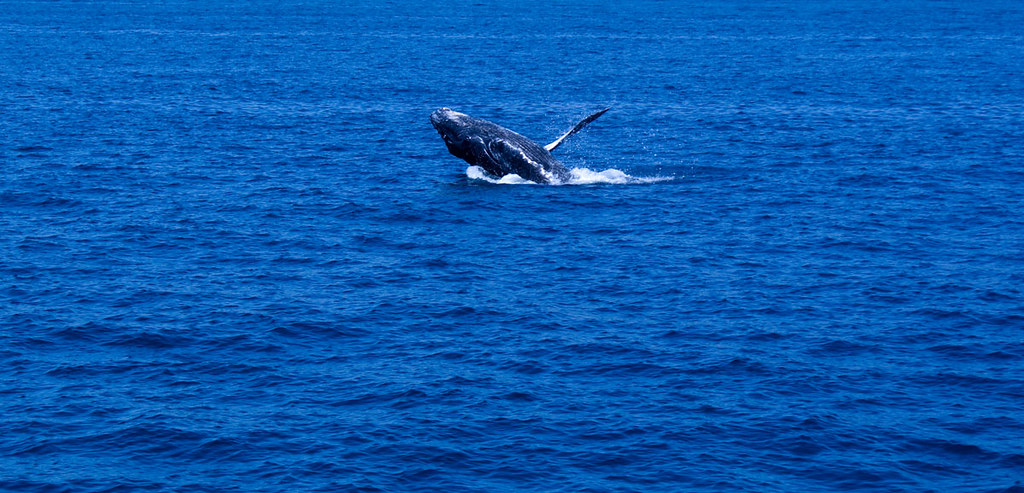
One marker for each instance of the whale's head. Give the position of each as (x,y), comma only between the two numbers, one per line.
(457,129)
(465,136)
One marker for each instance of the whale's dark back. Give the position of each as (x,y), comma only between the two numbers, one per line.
(496,149)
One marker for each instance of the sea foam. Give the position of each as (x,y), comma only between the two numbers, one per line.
(580,176)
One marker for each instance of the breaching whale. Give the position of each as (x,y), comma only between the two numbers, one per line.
(500,151)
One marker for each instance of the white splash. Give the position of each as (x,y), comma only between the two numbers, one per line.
(478,173)
(580,176)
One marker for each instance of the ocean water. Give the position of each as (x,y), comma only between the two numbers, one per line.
(235,256)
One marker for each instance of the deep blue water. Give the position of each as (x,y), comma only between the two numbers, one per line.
(235,256)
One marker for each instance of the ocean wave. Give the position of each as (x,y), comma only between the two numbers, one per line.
(580,176)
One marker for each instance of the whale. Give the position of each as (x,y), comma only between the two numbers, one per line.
(500,151)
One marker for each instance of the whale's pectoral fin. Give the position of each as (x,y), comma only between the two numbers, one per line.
(579,126)
(513,160)
(499,150)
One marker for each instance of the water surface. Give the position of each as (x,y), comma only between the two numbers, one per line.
(235,256)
